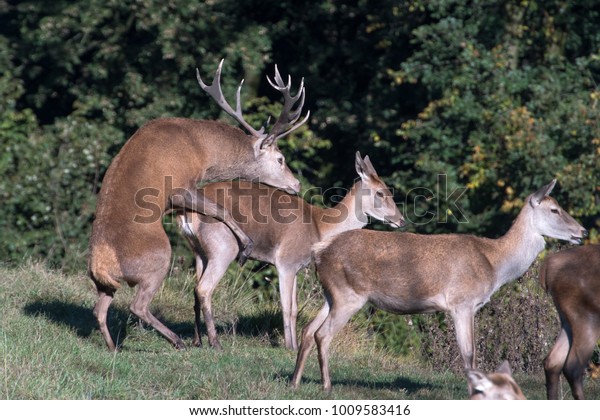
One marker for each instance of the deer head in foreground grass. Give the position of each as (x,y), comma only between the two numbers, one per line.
(158,169)
(498,385)
(572,278)
(283,229)
(408,273)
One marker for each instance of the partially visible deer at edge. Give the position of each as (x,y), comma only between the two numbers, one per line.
(283,229)
(499,385)
(157,169)
(572,278)
(409,273)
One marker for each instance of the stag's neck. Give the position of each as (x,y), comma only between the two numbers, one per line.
(346,215)
(225,162)
(518,248)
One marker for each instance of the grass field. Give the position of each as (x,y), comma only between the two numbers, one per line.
(50,348)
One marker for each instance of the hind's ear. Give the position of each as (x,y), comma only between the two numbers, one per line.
(538,196)
(477,381)
(504,368)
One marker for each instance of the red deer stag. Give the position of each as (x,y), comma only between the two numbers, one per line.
(283,229)
(499,385)
(408,273)
(572,277)
(158,169)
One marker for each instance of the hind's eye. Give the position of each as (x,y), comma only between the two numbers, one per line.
(379,194)
(555,211)
(280,160)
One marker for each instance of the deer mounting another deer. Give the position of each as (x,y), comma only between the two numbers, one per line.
(157,170)
(572,278)
(498,385)
(283,229)
(408,273)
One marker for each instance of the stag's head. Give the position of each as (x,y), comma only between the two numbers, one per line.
(551,220)
(376,199)
(267,165)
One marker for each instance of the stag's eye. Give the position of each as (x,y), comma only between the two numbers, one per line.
(379,194)
(280,160)
(555,211)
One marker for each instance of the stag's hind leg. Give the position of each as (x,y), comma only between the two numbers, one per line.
(196,202)
(140,307)
(105,297)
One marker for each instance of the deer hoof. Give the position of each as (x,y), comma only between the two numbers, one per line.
(216,346)
(179,345)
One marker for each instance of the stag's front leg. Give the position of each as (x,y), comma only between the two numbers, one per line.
(464,324)
(195,201)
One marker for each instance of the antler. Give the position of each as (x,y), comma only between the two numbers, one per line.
(215,91)
(288,117)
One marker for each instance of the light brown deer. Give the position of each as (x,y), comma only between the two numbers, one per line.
(572,277)
(283,229)
(408,273)
(158,169)
(499,385)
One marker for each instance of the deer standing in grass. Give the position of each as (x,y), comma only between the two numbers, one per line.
(408,273)
(283,229)
(499,385)
(572,277)
(157,170)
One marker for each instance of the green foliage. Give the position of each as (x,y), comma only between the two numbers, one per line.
(509,107)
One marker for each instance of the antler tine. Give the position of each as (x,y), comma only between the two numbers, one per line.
(285,133)
(287,116)
(296,114)
(238,110)
(214,90)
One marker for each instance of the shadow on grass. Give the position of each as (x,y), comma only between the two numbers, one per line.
(78,318)
(266,325)
(409,386)
(81,320)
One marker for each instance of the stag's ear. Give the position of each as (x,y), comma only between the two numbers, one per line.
(264,143)
(504,368)
(538,196)
(364,168)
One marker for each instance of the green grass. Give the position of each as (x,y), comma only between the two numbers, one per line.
(50,348)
